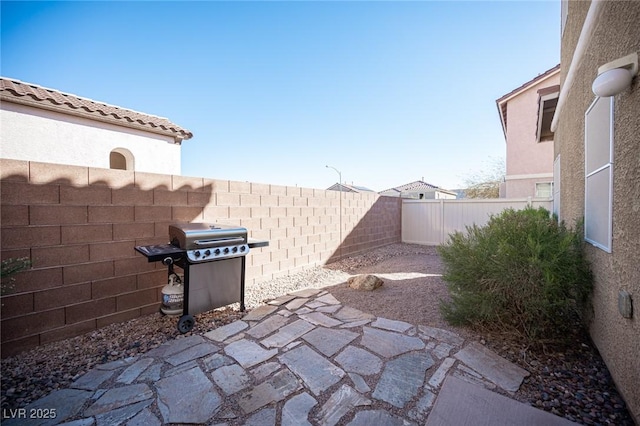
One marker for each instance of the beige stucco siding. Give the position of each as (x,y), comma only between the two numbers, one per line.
(618,339)
(34,134)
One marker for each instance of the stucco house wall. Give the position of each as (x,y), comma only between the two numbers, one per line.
(46,125)
(33,134)
(616,34)
(527,161)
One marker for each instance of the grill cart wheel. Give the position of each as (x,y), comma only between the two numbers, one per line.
(186,323)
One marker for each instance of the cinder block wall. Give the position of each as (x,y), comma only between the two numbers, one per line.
(79,227)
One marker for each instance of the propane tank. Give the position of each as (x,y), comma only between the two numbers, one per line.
(173,295)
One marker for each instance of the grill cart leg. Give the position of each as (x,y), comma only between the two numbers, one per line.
(244,260)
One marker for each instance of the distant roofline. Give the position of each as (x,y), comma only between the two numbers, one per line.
(501,103)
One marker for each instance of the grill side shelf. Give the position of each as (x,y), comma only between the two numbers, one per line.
(253,243)
(159,252)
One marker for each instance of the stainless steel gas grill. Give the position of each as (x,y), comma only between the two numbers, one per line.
(212,257)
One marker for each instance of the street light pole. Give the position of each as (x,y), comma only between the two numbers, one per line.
(340,197)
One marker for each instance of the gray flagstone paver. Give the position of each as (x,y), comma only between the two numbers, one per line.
(355,323)
(180,368)
(216,361)
(442,350)
(316,372)
(281,300)
(260,312)
(174,346)
(329,341)
(356,360)
(144,418)
(151,374)
(340,403)
(328,309)
(80,422)
(264,417)
(315,304)
(267,326)
(359,383)
(187,398)
(378,418)
(92,379)
(287,334)
(328,299)
(231,378)
(402,378)
(296,410)
(248,353)
(221,334)
(438,376)
(263,371)
(276,388)
(268,368)
(114,365)
(119,397)
(389,343)
(67,403)
(194,352)
(349,314)
(121,415)
(318,318)
(419,412)
(474,379)
(296,303)
(391,325)
(306,292)
(132,372)
(441,335)
(492,366)
(304,310)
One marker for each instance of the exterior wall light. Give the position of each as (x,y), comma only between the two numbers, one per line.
(615,76)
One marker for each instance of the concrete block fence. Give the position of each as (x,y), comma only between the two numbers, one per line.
(79,226)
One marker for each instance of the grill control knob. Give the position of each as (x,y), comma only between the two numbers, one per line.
(235,249)
(216,251)
(242,248)
(207,252)
(226,249)
(197,253)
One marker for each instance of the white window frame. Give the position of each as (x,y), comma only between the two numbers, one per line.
(543,183)
(598,230)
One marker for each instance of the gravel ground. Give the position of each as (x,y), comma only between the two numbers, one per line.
(570,381)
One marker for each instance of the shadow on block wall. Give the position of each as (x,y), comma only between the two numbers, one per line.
(380,225)
(79,226)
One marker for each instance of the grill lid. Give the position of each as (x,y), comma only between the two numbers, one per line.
(190,236)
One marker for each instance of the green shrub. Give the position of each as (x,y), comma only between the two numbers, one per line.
(522,272)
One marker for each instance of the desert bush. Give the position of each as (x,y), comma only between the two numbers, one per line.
(523,272)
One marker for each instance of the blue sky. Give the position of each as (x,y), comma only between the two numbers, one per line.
(386,92)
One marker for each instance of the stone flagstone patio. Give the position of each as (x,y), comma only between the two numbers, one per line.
(301,359)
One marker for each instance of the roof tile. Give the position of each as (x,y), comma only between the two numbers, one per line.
(12,90)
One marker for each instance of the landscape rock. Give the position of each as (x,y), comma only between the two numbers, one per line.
(365,282)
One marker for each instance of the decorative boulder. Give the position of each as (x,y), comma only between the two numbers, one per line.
(365,282)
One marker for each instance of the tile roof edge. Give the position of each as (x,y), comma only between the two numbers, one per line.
(113,114)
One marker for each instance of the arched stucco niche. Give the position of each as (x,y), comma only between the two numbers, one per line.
(121,159)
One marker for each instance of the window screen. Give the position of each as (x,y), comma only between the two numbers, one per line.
(543,190)
(598,140)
